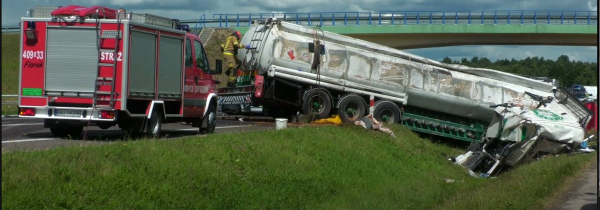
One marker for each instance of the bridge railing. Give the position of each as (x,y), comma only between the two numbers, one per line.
(485,17)
(10,29)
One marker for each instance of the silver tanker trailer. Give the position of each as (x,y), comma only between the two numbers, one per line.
(298,69)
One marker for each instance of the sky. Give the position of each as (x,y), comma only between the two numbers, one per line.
(12,10)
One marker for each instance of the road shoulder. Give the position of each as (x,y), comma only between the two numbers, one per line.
(582,193)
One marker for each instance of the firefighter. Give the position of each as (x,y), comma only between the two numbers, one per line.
(229,49)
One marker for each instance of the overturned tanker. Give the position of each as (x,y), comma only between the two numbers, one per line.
(297,69)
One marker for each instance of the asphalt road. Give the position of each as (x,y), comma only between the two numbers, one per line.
(30,134)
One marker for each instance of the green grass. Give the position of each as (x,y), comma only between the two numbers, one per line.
(10,63)
(306,168)
(9,109)
(10,71)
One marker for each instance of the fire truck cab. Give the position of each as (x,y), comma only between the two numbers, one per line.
(96,66)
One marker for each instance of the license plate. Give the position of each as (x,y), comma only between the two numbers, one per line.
(67,113)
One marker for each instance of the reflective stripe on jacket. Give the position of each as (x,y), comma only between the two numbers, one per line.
(229,48)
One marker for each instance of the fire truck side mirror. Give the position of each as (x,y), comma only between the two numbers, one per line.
(218,67)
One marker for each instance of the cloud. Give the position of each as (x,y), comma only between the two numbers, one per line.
(592,7)
(13,10)
(408,5)
(573,55)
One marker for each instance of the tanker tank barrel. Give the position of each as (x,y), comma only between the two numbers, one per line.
(350,70)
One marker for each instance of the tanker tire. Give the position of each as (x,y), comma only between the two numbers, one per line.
(209,122)
(311,96)
(350,103)
(386,108)
(154,124)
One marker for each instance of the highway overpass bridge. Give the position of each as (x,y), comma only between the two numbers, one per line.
(420,29)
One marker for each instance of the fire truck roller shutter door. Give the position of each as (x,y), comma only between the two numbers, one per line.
(143,62)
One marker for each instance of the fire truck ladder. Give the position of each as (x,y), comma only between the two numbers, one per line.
(105,81)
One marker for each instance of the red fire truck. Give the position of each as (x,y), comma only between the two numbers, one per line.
(96,66)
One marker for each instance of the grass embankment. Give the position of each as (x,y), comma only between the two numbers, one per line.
(313,168)
(10,63)
(10,71)
(213,51)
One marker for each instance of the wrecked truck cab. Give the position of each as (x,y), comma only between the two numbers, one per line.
(519,134)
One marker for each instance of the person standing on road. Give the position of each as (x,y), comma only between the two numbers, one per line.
(229,49)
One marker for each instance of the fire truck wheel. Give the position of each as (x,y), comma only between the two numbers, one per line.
(351,108)
(154,124)
(316,104)
(209,122)
(386,111)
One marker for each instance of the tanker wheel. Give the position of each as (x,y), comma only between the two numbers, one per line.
(316,104)
(386,111)
(351,108)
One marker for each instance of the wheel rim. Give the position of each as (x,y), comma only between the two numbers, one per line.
(156,128)
(387,116)
(211,120)
(316,104)
(352,111)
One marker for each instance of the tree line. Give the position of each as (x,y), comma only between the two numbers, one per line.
(567,72)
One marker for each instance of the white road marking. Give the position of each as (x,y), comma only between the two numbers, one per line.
(234,126)
(27,140)
(15,118)
(22,124)
(49,139)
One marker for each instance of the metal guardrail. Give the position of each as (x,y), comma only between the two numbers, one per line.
(10,29)
(9,102)
(492,17)
(459,17)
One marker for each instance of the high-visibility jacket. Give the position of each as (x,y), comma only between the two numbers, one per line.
(230,45)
